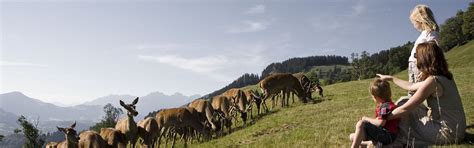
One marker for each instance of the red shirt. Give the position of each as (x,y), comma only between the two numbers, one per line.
(382,111)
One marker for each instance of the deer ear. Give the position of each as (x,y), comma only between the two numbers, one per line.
(61,129)
(73,125)
(122,103)
(135,101)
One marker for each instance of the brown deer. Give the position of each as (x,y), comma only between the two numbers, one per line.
(305,82)
(276,83)
(249,94)
(204,107)
(91,139)
(127,125)
(71,141)
(255,97)
(148,131)
(113,138)
(223,107)
(178,118)
(238,99)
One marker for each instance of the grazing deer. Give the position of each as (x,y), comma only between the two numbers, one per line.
(91,139)
(305,82)
(257,98)
(71,140)
(239,99)
(204,107)
(113,138)
(148,131)
(178,118)
(249,94)
(274,84)
(225,111)
(127,125)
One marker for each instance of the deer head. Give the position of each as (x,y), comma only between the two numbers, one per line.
(71,134)
(131,108)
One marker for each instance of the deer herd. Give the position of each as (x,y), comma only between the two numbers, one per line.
(200,120)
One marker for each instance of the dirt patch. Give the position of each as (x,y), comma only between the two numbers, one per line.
(284,127)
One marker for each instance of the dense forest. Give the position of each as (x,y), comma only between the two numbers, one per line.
(295,65)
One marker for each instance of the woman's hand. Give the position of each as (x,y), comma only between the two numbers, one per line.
(385,77)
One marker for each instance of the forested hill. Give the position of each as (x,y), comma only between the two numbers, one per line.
(291,65)
(294,65)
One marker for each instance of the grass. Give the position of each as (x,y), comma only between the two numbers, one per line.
(329,122)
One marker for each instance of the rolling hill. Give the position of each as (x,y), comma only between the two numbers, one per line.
(330,121)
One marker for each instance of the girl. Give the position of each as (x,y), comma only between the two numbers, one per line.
(423,20)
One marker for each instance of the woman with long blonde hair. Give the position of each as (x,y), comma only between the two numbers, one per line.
(423,20)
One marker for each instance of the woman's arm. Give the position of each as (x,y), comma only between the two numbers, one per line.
(401,83)
(426,89)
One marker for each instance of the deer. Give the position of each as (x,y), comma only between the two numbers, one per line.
(113,138)
(71,138)
(249,94)
(204,107)
(238,99)
(148,131)
(224,109)
(305,82)
(178,119)
(127,125)
(91,139)
(274,84)
(254,97)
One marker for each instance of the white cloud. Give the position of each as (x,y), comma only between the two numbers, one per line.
(358,8)
(160,46)
(20,64)
(200,65)
(248,26)
(209,65)
(257,9)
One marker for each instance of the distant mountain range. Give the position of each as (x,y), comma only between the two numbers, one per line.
(14,104)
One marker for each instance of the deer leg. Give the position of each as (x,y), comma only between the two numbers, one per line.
(273,101)
(159,138)
(265,105)
(174,139)
(282,99)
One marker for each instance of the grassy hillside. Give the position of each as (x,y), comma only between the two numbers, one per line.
(330,121)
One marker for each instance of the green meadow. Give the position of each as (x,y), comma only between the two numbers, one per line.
(329,121)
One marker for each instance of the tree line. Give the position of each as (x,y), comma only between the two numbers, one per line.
(457,30)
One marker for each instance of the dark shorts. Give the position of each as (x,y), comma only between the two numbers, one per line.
(378,134)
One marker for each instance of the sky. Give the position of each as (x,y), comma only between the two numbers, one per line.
(73,51)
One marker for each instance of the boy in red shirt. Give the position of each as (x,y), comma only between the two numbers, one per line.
(380,130)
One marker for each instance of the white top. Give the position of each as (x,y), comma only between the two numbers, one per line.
(425,36)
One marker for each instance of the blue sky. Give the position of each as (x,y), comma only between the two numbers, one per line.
(73,51)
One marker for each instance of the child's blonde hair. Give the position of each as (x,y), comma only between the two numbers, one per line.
(423,15)
(380,89)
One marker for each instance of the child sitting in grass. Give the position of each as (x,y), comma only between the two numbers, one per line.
(379,130)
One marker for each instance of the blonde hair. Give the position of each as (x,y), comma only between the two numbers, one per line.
(423,15)
(381,89)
